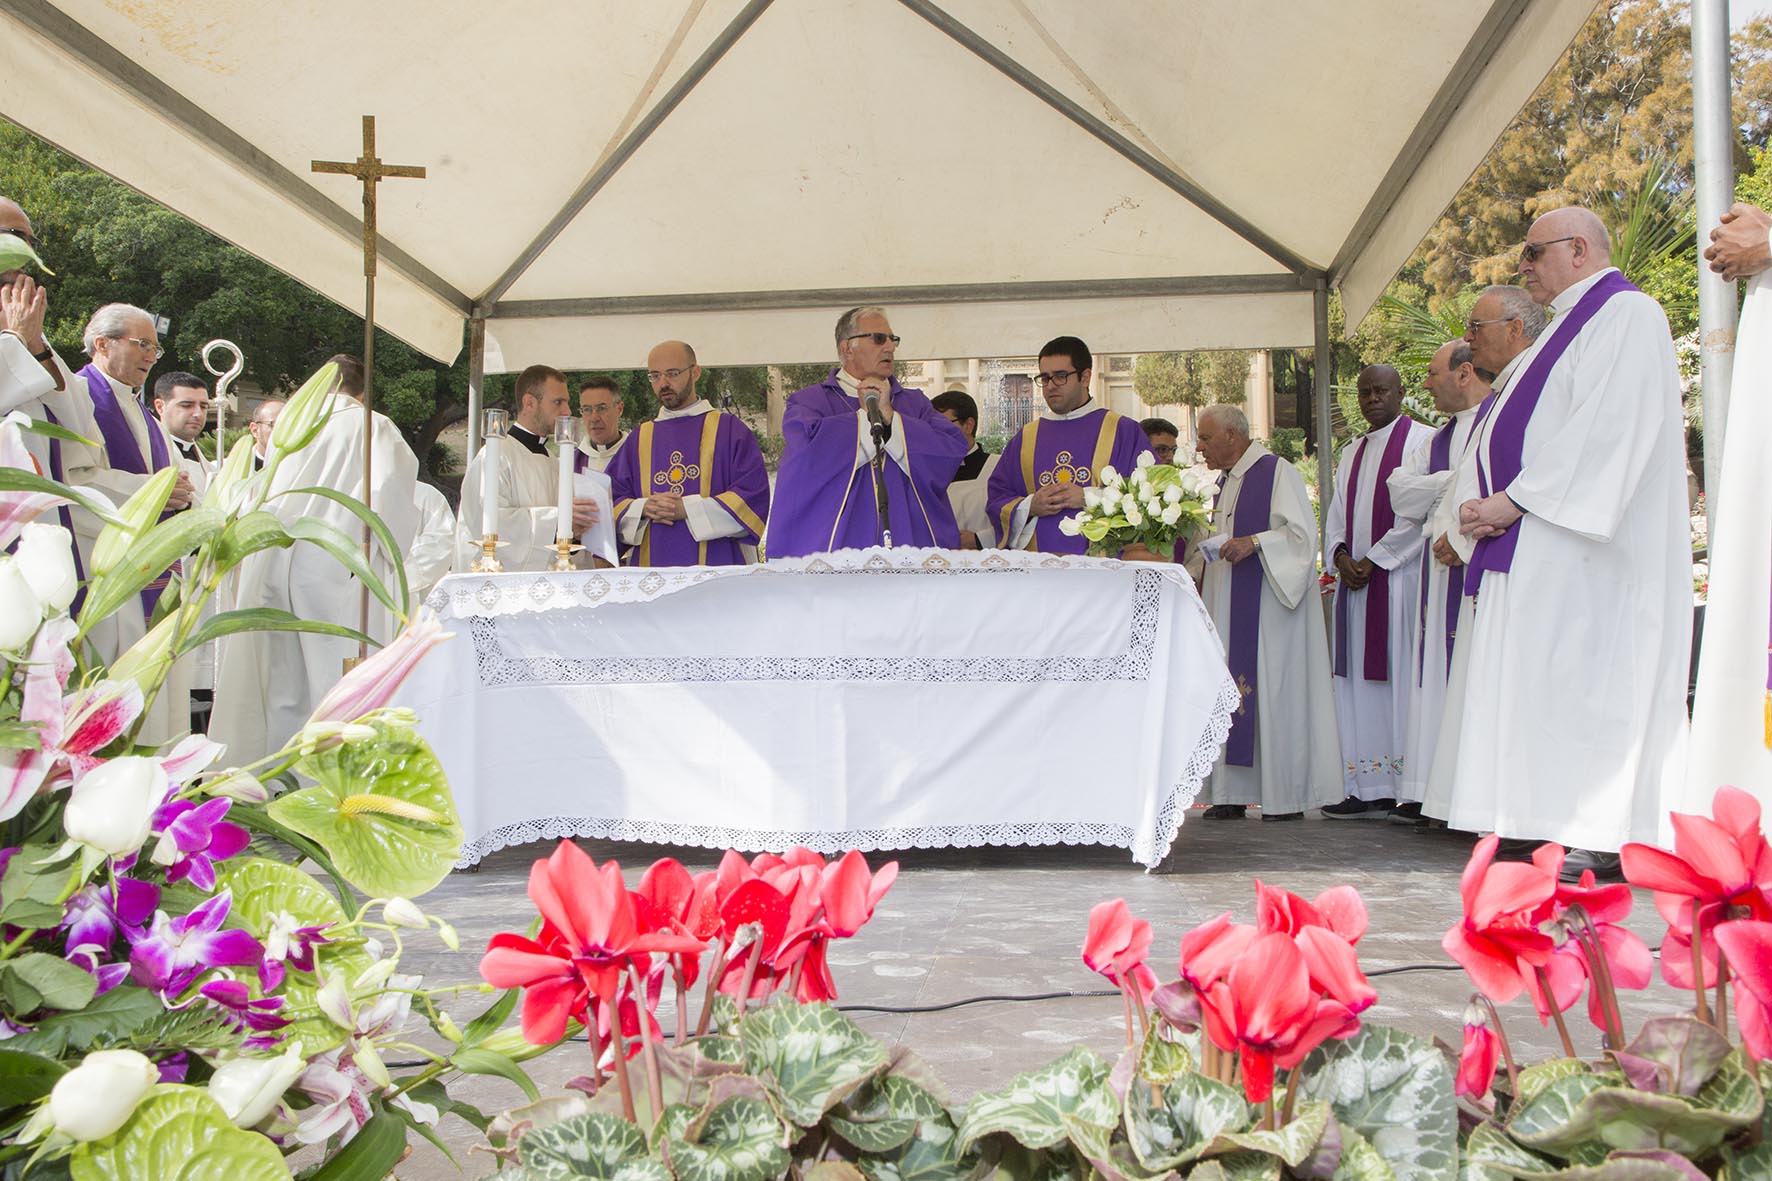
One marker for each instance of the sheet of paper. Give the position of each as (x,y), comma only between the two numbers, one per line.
(599,539)
(1210,548)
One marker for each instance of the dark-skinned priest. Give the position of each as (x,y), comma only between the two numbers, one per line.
(1045,467)
(827,492)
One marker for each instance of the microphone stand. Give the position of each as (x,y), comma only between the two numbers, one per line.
(881,432)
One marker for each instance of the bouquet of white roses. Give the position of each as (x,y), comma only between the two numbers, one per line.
(1153,507)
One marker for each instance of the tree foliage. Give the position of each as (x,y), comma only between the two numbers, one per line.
(1191,379)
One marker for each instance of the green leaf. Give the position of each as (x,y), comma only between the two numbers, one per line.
(1489,1155)
(595,1145)
(26,1078)
(57,983)
(1538,1076)
(1032,1108)
(248,534)
(489,1022)
(808,1057)
(108,1018)
(1395,1089)
(1162,1060)
(373,1151)
(1241,1166)
(737,1140)
(379,528)
(1360,1161)
(33,890)
(1292,1143)
(1678,1054)
(145,559)
(1624,1118)
(1753,1165)
(1109,1157)
(1191,1113)
(17,480)
(266,619)
(347,553)
(180,1134)
(884,1113)
(263,889)
(475,1060)
(17,735)
(382,812)
(1556,1119)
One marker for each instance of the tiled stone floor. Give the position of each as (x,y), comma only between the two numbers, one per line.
(967,922)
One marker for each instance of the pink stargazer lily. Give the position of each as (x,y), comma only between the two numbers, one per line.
(372,685)
(174,952)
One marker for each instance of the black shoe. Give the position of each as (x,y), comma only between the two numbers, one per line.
(1409,813)
(1515,849)
(1225,812)
(1282,815)
(1354,808)
(1606,866)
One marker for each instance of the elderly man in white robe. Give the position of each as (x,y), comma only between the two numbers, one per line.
(268,683)
(528,480)
(1419,491)
(1732,712)
(1575,491)
(1261,589)
(1377,600)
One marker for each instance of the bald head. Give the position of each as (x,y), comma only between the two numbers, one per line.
(13,220)
(672,370)
(1562,248)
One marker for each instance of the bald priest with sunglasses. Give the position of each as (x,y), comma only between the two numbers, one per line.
(866,462)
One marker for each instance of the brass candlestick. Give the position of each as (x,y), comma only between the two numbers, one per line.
(564,548)
(487,562)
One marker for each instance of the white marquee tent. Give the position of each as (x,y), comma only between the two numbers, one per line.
(1148,174)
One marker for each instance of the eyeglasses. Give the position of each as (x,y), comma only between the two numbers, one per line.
(1061,376)
(879,338)
(29,239)
(1476,324)
(150,346)
(653,375)
(1531,251)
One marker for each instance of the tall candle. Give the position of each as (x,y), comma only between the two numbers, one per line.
(489,456)
(563,496)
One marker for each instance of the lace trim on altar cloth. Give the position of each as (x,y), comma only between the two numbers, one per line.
(1147,849)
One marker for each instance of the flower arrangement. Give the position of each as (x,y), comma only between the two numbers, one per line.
(1152,508)
(177,999)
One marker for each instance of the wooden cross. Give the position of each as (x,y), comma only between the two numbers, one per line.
(368,169)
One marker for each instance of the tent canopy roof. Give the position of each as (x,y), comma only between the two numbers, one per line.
(735,172)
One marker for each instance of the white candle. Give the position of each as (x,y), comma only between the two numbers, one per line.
(489,456)
(563,499)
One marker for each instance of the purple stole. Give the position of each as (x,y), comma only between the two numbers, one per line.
(702,455)
(1252,515)
(1507,438)
(1439,459)
(1378,589)
(1071,451)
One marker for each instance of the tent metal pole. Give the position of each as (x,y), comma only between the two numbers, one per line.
(1713,143)
(476,381)
(1322,371)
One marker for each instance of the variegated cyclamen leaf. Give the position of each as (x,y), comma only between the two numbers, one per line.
(809,1057)
(1557,1118)
(1395,1089)
(1642,1121)
(1360,1161)
(595,1145)
(932,1152)
(1292,1143)
(1239,1166)
(1162,1060)
(1110,1158)
(1033,1107)
(1191,1112)
(1538,1076)
(1750,1165)
(738,1140)
(1683,1053)
(1491,1155)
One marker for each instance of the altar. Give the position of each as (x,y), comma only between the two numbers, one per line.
(873,699)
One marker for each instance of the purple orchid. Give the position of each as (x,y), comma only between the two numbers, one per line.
(94,916)
(193,837)
(288,943)
(259,1014)
(174,1067)
(174,952)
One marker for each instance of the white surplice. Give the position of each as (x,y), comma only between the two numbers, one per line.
(268,683)
(1373,716)
(1731,731)
(27,386)
(1421,497)
(969,501)
(1297,758)
(1574,711)
(599,456)
(528,513)
(433,546)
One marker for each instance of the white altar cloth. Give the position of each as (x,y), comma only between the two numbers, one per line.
(876,699)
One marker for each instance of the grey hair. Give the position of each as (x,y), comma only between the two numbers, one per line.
(1227,416)
(847,321)
(111,322)
(1517,305)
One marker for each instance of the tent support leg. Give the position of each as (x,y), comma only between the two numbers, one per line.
(1713,140)
(1322,374)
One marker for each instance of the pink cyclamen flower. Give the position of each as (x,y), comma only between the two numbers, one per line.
(1481,1053)
(1117,945)
(1748,944)
(1498,941)
(850,893)
(372,685)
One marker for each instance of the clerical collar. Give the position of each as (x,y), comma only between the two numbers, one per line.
(121,390)
(1571,295)
(188,450)
(851,385)
(699,406)
(529,439)
(1507,370)
(1083,411)
(594,448)
(1247,459)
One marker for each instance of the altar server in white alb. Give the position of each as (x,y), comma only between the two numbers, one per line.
(433,546)
(1575,492)
(1732,715)
(1420,491)
(268,683)
(1261,589)
(528,480)
(1377,600)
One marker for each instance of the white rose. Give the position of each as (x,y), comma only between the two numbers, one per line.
(1092,498)
(1140,479)
(20,608)
(98,1096)
(1134,518)
(1109,477)
(46,559)
(1172,494)
(1070,526)
(112,806)
(403,912)
(1146,459)
(1171,514)
(247,1088)
(1110,500)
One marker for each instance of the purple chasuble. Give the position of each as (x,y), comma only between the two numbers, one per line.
(1507,436)
(824,502)
(713,455)
(1376,663)
(1439,459)
(1252,514)
(1060,451)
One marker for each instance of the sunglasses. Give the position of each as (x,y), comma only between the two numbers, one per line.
(877,337)
(29,239)
(1532,251)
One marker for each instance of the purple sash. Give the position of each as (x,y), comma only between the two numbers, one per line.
(1507,438)
(124,454)
(1378,588)
(1252,515)
(1439,459)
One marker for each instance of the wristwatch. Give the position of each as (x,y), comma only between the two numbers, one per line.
(46,354)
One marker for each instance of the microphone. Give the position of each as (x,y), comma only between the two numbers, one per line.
(871,400)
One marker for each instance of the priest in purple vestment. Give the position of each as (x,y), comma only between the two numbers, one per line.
(1045,467)
(690,488)
(828,493)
